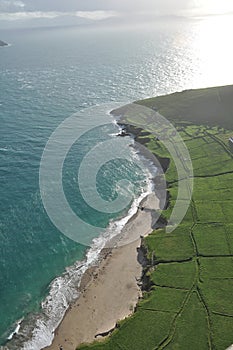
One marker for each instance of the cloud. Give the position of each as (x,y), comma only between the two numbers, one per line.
(11,5)
(14,16)
(28,15)
(51,12)
(96,15)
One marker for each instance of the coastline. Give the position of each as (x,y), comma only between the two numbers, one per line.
(110,291)
(91,279)
(67,290)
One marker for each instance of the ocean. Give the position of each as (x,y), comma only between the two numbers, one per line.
(46,76)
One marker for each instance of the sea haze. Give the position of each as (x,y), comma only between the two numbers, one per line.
(45,76)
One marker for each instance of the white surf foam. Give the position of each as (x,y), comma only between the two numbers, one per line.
(16,330)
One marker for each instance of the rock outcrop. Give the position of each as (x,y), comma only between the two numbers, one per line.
(2,43)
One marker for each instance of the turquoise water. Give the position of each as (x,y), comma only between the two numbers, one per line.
(45,76)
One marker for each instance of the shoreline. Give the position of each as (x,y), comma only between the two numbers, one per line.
(88,317)
(88,280)
(88,268)
(109,292)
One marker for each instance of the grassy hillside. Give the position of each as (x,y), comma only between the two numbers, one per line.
(190,304)
(213,106)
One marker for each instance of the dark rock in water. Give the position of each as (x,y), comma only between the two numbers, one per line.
(2,43)
(123,132)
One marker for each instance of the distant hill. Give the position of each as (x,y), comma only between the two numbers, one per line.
(2,43)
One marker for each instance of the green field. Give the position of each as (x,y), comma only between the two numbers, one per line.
(189,305)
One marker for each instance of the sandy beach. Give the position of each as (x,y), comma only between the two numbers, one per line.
(110,291)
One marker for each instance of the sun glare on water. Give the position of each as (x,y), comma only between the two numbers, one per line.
(212,45)
(214,7)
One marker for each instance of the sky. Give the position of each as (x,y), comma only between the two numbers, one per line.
(23,12)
